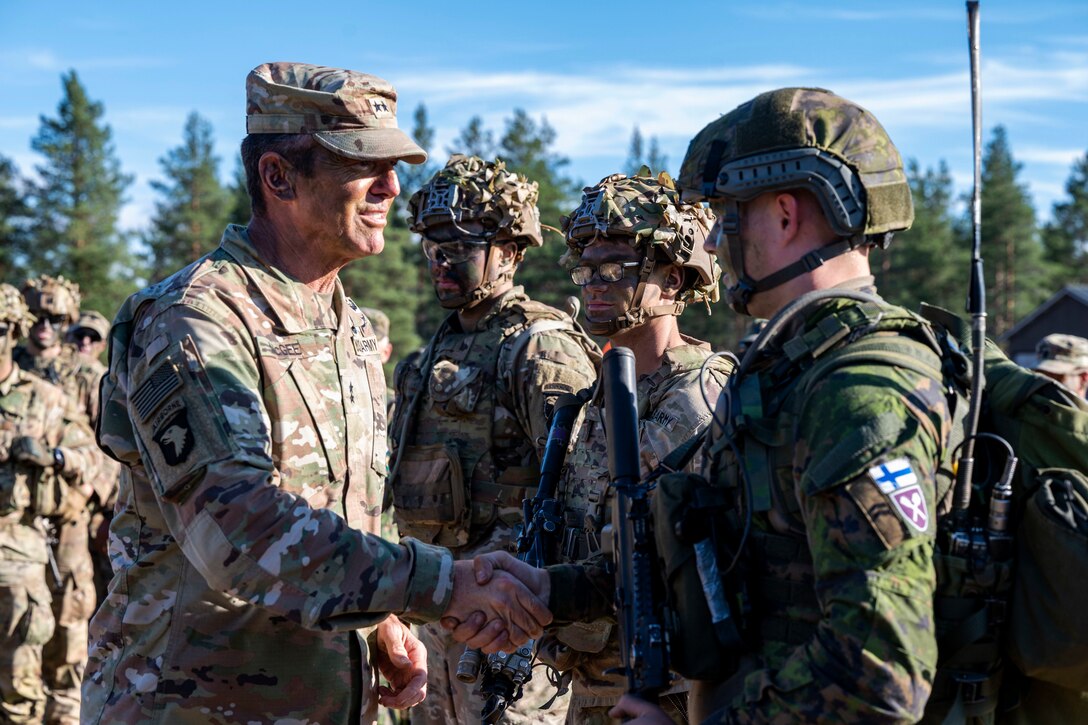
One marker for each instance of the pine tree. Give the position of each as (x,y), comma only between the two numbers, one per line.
(656,160)
(527,147)
(1016,274)
(413,176)
(194,208)
(1065,237)
(14,218)
(926,263)
(77,202)
(240,205)
(634,154)
(475,140)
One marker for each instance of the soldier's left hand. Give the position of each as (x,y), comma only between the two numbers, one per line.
(75,501)
(31,451)
(402,660)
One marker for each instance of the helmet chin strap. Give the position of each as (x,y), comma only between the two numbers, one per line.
(636,314)
(739,295)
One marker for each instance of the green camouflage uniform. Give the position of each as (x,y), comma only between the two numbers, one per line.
(74,597)
(843,579)
(479,432)
(672,409)
(249,417)
(32,407)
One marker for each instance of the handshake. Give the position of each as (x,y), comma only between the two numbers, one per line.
(499,602)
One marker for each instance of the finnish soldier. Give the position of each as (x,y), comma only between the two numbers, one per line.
(835,466)
(55,302)
(636,251)
(245,401)
(472,407)
(45,445)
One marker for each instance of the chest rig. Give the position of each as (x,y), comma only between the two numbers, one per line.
(463,459)
(750,458)
(26,491)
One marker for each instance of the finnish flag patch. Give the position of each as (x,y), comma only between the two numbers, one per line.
(898,481)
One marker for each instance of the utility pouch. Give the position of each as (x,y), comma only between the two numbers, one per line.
(585,636)
(1048,630)
(430,495)
(48,490)
(704,634)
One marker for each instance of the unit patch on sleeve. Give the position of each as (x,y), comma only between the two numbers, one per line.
(898,481)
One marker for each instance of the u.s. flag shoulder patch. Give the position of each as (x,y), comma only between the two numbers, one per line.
(897,480)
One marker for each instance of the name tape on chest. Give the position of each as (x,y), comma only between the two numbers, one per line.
(898,481)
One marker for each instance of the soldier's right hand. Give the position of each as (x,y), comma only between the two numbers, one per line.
(494,613)
(30,451)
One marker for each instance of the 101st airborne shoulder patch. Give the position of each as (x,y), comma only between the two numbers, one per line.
(898,481)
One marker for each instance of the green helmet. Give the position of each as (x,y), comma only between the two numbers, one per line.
(800,138)
(649,214)
(470,189)
(53,296)
(13,310)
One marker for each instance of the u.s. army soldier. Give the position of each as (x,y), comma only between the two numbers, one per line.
(55,301)
(45,446)
(245,400)
(637,253)
(471,414)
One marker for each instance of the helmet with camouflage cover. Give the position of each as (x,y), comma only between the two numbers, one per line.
(648,213)
(476,200)
(47,295)
(799,138)
(470,189)
(14,311)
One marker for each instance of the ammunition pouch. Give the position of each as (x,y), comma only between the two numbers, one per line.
(1048,630)
(431,495)
(687,511)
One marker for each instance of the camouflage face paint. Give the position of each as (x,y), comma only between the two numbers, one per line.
(453,283)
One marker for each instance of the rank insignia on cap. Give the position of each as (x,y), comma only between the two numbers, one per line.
(380,107)
(898,481)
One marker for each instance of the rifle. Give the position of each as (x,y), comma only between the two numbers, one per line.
(639,596)
(504,675)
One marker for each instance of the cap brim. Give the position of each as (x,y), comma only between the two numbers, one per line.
(373,144)
(1056,367)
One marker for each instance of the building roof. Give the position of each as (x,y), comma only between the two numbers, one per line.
(1078,292)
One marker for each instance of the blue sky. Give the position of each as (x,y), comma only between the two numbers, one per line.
(595,70)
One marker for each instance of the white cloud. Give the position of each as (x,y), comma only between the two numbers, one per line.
(1063,157)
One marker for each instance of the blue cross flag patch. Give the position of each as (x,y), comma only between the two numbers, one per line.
(898,481)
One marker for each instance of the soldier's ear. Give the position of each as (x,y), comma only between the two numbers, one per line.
(277,176)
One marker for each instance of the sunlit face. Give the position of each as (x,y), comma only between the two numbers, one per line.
(604,301)
(345,203)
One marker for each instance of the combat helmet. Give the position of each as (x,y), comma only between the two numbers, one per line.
(648,213)
(13,310)
(47,295)
(799,138)
(498,204)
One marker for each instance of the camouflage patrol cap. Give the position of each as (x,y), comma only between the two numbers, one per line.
(804,138)
(470,189)
(52,296)
(649,213)
(91,320)
(350,113)
(13,310)
(1062,354)
(379,320)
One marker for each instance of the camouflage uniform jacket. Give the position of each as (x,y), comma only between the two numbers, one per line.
(249,418)
(847,473)
(672,408)
(480,422)
(79,377)
(31,407)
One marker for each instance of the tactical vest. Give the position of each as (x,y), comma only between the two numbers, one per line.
(760,415)
(466,461)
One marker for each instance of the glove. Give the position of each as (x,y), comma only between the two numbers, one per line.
(30,451)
